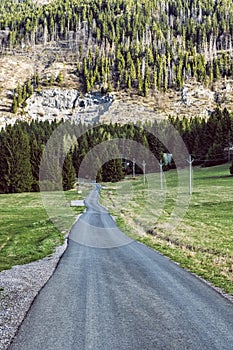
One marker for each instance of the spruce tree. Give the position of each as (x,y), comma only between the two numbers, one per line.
(4,166)
(19,175)
(112,171)
(68,173)
(14,106)
(35,158)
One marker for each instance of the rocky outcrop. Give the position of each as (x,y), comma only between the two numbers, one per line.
(69,104)
(193,99)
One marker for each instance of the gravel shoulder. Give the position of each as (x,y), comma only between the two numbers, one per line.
(18,288)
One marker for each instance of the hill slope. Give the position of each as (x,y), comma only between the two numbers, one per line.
(179,54)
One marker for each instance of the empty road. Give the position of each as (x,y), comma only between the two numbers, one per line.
(111,293)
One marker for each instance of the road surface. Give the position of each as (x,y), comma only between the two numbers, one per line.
(111,293)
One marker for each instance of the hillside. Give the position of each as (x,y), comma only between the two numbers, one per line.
(173,58)
(194,99)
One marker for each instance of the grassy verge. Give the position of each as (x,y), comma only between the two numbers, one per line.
(26,232)
(203,240)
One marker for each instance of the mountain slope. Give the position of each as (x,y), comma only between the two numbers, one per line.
(147,48)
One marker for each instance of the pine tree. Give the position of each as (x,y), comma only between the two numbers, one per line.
(51,79)
(112,171)
(68,173)
(29,88)
(4,165)
(19,95)
(35,158)
(59,78)
(19,175)
(14,106)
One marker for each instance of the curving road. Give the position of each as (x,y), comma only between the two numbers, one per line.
(111,293)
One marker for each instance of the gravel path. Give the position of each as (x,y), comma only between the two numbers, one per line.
(18,288)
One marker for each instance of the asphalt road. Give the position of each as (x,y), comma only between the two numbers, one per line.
(110,293)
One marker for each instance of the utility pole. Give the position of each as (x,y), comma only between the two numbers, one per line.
(190,161)
(134,162)
(144,171)
(161,174)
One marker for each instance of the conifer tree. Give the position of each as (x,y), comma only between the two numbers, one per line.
(19,175)
(14,106)
(35,158)
(68,173)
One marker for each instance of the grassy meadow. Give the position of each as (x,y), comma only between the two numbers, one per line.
(26,231)
(203,240)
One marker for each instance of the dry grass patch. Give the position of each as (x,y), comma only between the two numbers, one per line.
(203,241)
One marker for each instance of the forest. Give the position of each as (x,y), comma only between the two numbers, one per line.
(143,45)
(116,45)
(22,146)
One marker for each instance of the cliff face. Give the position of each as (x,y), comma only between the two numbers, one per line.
(68,104)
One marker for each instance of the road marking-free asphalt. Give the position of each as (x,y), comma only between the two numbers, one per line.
(111,293)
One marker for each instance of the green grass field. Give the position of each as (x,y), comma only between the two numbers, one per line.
(26,232)
(203,240)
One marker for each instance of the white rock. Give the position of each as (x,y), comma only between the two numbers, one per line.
(64,103)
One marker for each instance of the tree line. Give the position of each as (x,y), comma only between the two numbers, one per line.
(143,45)
(22,146)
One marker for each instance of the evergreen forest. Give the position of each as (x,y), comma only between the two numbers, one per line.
(118,45)
(22,146)
(128,44)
